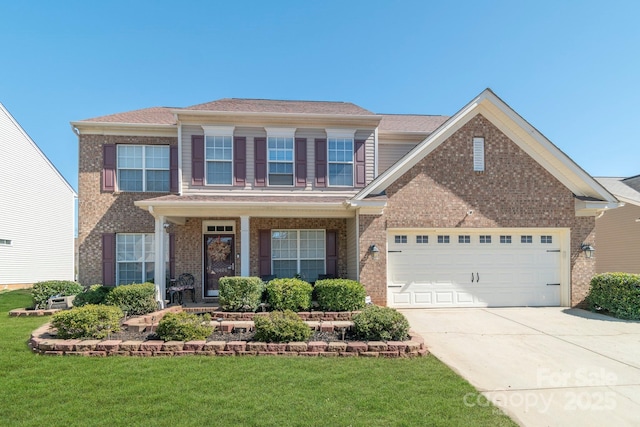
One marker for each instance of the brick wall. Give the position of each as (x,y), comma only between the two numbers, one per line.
(513,191)
(100,212)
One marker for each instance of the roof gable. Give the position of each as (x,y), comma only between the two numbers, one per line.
(529,139)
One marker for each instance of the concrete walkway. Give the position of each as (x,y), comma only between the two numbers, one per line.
(542,366)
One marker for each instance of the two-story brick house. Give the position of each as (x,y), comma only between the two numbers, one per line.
(475,209)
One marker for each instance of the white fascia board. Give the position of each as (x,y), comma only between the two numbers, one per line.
(128,129)
(368,207)
(594,207)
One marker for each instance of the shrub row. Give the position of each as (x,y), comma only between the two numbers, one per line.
(89,321)
(246,293)
(617,294)
(135,299)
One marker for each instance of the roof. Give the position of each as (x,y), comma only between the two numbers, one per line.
(620,189)
(281,106)
(518,130)
(410,123)
(153,115)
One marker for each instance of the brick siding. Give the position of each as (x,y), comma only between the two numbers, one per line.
(513,191)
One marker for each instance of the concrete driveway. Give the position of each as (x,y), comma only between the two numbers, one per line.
(548,366)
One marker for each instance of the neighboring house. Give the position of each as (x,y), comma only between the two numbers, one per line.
(618,231)
(477,209)
(37,208)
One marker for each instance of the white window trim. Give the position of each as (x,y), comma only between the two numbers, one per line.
(298,259)
(282,133)
(219,130)
(341,134)
(207,161)
(478,154)
(144,167)
(144,278)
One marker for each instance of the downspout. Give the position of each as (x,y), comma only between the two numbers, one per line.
(179,155)
(375,153)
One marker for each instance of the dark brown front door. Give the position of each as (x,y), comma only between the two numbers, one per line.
(219,256)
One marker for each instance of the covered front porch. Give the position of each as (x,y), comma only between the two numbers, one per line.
(211,237)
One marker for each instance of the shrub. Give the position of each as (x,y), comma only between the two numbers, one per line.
(42,291)
(340,295)
(89,321)
(95,294)
(184,327)
(281,326)
(240,293)
(380,324)
(289,294)
(136,299)
(616,293)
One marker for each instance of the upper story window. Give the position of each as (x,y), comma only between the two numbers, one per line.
(340,162)
(478,154)
(280,156)
(218,154)
(143,167)
(219,158)
(5,242)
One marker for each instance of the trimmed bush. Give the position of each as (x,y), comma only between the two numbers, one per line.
(618,294)
(136,299)
(240,293)
(340,295)
(42,291)
(184,327)
(281,326)
(95,294)
(289,294)
(380,324)
(89,321)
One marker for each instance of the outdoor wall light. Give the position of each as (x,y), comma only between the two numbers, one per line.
(374,251)
(587,249)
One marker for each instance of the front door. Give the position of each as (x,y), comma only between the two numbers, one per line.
(219,256)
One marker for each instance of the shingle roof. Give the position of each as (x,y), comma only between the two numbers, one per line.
(410,123)
(153,115)
(619,188)
(281,106)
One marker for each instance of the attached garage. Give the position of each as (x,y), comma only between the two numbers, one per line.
(477,268)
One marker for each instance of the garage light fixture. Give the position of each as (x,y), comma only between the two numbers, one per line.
(374,251)
(587,249)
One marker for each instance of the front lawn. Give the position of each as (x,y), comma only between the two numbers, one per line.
(225,391)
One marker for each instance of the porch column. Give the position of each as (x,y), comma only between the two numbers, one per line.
(246,246)
(159,260)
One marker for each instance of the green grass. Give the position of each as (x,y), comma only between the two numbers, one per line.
(248,391)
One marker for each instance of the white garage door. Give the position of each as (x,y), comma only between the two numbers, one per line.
(467,268)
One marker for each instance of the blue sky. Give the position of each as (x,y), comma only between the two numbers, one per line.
(571,68)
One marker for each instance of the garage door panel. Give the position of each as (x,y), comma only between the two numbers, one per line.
(474,274)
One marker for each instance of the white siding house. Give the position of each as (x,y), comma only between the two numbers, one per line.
(36,211)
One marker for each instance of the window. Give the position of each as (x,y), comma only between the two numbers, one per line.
(464,239)
(526,239)
(143,167)
(134,258)
(5,242)
(422,239)
(505,239)
(443,239)
(478,154)
(298,252)
(219,158)
(400,239)
(485,239)
(546,239)
(280,158)
(340,161)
